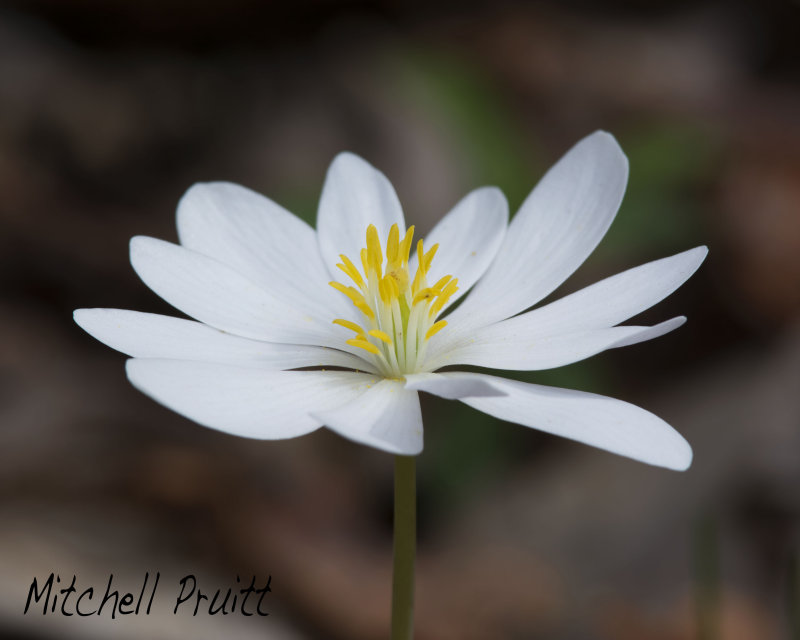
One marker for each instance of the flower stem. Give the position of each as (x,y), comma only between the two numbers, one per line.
(405,546)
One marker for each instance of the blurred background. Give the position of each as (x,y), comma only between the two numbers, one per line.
(110,110)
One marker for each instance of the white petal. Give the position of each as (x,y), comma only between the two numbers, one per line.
(468,237)
(598,306)
(148,335)
(614,299)
(215,294)
(499,346)
(245,402)
(259,239)
(595,420)
(386,417)
(650,333)
(354,196)
(557,227)
(452,385)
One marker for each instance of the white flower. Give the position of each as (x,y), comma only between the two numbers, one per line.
(256,279)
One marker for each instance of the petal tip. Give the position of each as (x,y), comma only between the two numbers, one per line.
(83,317)
(683,462)
(137,244)
(695,257)
(679,458)
(344,158)
(606,145)
(134,373)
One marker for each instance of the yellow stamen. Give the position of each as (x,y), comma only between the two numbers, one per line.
(392,244)
(436,327)
(361,343)
(374,254)
(425,294)
(349,325)
(400,276)
(425,262)
(405,245)
(444,296)
(400,310)
(350,269)
(418,278)
(387,287)
(355,296)
(365,261)
(381,336)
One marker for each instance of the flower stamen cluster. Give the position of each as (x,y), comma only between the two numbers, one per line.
(399,313)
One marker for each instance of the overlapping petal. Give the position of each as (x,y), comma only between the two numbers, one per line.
(354,196)
(258,238)
(555,230)
(469,237)
(387,416)
(452,385)
(248,402)
(599,421)
(598,306)
(614,299)
(215,294)
(501,347)
(149,335)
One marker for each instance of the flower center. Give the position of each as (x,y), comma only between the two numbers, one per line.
(398,312)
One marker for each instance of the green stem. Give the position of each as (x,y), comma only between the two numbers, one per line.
(405,547)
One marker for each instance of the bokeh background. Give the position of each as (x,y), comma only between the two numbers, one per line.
(110,110)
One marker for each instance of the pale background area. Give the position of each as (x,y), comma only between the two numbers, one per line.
(109,111)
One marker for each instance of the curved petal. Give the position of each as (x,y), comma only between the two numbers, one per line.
(354,196)
(501,347)
(215,294)
(149,335)
(258,238)
(386,417)
(595,420)
(252,403)
(558,226)
(468,237)
(452,385)
(615,299)
(598,306)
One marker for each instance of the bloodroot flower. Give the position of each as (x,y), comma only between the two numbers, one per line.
(343,326)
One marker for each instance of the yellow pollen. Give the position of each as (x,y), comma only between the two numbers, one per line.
(350,269)
(374,255)
(363,343)
(436,327)
(399,310)
(428,258)
(401,278)
(349,325)
(405,245)
(425,294)
(444,296)
(420,255)
(392,245)
(380,335)
(356,297)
